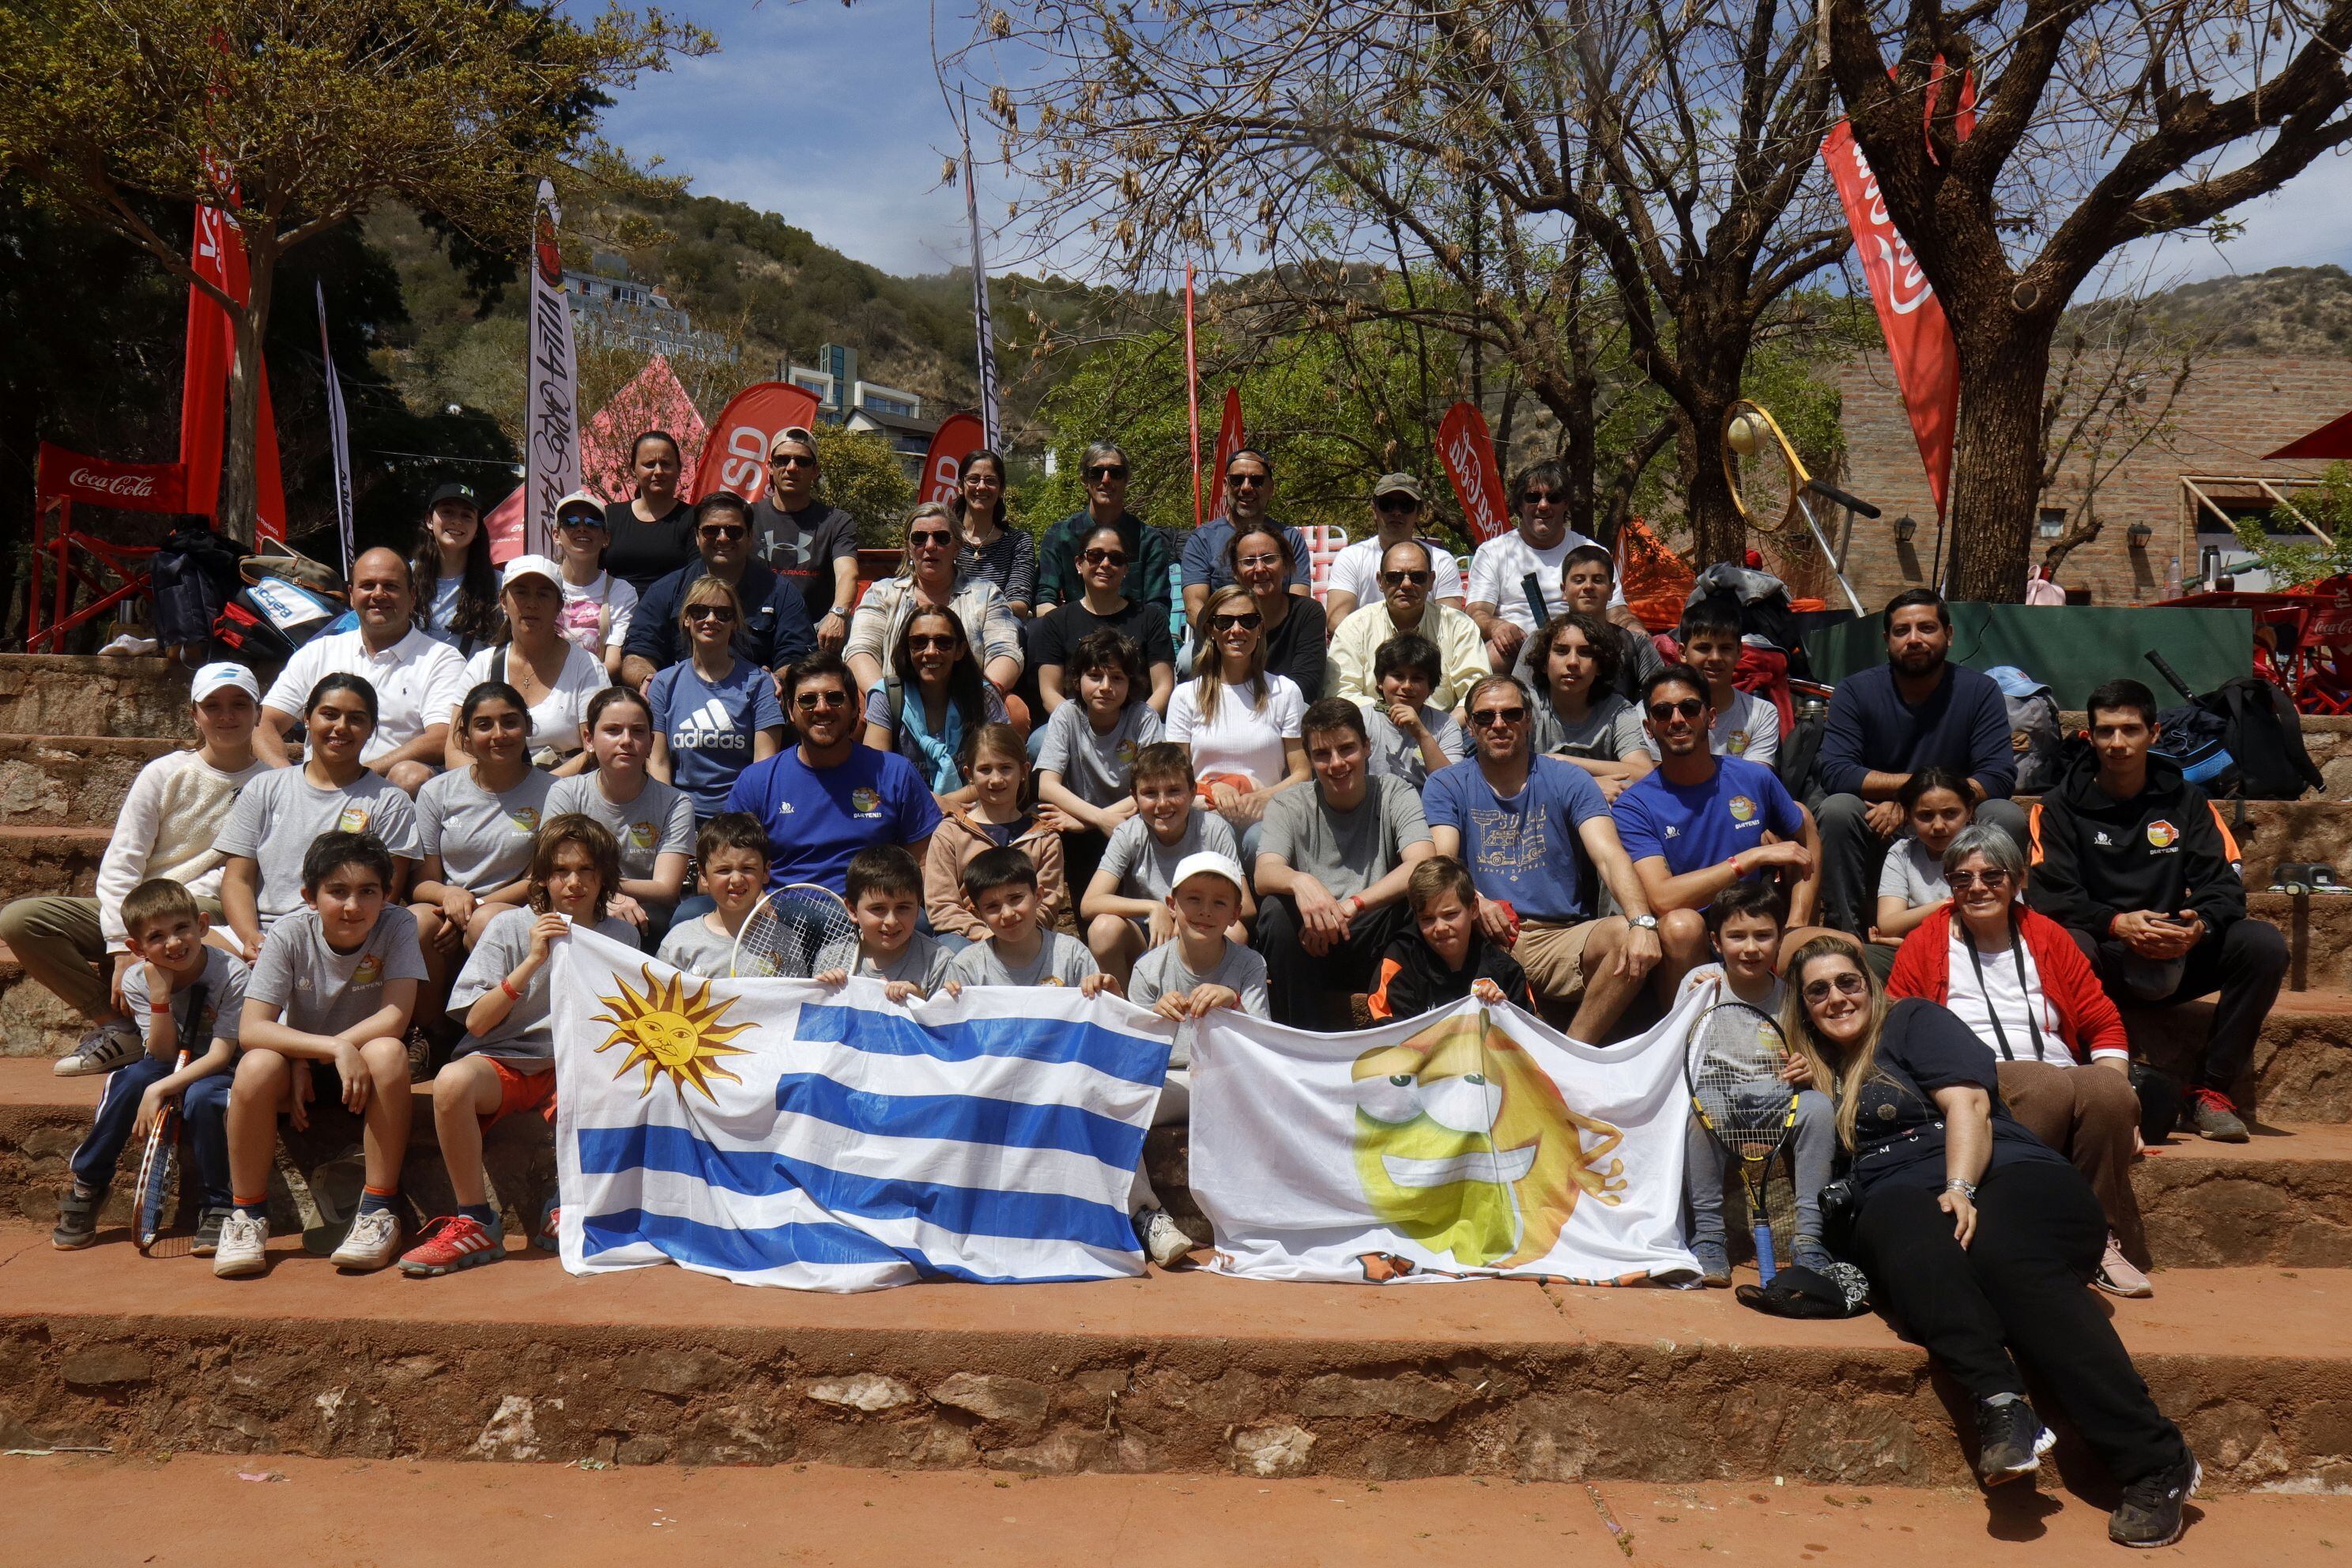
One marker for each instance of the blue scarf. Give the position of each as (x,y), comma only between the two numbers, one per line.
(935,754)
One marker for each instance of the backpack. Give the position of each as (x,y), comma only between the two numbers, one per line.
(2033,718)
(192,576)
(269,618)
(2243,738)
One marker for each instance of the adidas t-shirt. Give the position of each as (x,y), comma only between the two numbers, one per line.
(484,839)
(710,725)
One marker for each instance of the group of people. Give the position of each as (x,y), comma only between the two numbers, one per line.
(1439,780)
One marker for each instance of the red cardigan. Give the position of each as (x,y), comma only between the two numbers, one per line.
(2088,1020)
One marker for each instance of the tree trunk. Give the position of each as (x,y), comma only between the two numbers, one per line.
(1997,458)
(1718,534)
(239,487)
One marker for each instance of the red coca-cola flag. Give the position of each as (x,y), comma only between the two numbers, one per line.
(1230,439)
(1469,453)
(735,454)
(218,253)
(943,464)
(63,475)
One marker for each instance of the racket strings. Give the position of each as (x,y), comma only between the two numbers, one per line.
(796,932)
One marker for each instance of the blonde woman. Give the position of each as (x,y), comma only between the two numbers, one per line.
(928,581)
(715,713)
(1241,724)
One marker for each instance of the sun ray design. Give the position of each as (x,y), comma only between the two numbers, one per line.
(669,1031)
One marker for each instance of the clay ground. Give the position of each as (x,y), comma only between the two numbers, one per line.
(196,1509)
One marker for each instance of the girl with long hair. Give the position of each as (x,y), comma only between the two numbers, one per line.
(1240,723)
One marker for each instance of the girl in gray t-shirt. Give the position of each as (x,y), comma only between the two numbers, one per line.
(651,821)
(1936,805)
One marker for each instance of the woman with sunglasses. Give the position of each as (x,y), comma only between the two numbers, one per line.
(556,677)
(2021,985)
(1978,1238)
(1580,713)
(927,580)
(1104,567)
(1241,723)
(715,713)
(651,534)
(932,701)
(1298,636)
(1103,471)
(992,550)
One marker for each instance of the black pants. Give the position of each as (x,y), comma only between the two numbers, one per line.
(1310,993)
(2023,1284)
(2244,961)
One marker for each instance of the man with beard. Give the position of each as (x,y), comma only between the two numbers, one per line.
(1886,724)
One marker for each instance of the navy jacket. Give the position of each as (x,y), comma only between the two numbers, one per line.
(1963,725)
(774,630)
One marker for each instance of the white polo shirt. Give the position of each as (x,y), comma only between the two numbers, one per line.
(1498,573)
(417,680)
(1357,570)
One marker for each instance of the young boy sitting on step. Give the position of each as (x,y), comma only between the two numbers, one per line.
(1003,887)
(884,887)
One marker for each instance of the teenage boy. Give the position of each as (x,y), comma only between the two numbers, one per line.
(186,997)
(1699,823)
(1124,904)
(732,850)
(1744,724)
(1744,925)
(2133,860)
(1588,581)
(1445,956)
(886,900)
(1332,865)
(1410,740)
(506,1063)
(325,1010)
(1201,970)
(1003,887)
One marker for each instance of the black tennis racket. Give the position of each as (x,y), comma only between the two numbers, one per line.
(796,932)
(158,1166)
(1732,1059)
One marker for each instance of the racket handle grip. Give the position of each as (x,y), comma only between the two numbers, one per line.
(1764,1266)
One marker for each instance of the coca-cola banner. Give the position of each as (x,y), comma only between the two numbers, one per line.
(1469,453)
(132,487)
(735,455)
(552,407)
(943,464)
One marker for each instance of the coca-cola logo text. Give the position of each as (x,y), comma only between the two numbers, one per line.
(141,486)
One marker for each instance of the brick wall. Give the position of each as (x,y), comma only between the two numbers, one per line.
(2234,408)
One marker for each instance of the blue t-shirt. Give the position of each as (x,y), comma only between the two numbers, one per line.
(817,820)
(1695,826)
(711,726)
(1522,851)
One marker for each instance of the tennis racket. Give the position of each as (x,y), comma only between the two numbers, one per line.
(1732,1060)
(795,932)
(157,1168)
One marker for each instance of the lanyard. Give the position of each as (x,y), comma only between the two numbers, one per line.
(2017,956)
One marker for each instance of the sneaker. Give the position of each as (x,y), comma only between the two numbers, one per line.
(373,1241)
(243,1249)
(1714,1263)
(1163,1239)
(104,1048)
(1811,1254)
(2011,1441)
(451,1243)
(2150,1514)
(2116,1276)
(2210,1113)
(209,1221)
(76,1220)
(548,1236)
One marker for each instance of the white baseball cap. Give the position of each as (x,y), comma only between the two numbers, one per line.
(581,501)
(530,567)
(213,676)
(1208,863)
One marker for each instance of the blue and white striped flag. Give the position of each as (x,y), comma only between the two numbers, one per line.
(778,1132)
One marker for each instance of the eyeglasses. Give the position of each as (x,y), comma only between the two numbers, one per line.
(1848,983)
(1959,880)
(1108,471)
(939,642)
(791,460)
(813,701)
(1407,579)
(1487,718)
(1395,503)
(928,537)
(1543,498)
(1248,621)
(1247,481)
(1689,708)
(1257,563)
(1104,557)
(708,613)
(721,531)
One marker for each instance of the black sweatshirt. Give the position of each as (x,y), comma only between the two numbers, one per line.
(1414,980)
(2164,850)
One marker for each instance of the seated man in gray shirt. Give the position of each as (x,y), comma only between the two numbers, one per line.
(1331,869)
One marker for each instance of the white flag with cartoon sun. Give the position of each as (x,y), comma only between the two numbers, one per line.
(1461,1144)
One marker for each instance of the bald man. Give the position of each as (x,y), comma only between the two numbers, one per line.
(417,680)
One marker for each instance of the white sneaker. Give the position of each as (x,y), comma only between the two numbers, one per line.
(104,1048)
(2116,1276)
(1164,1240)
(244,1242)
(373,1241)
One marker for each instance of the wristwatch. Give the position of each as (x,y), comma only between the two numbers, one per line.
(1643,923)
(1965,1189)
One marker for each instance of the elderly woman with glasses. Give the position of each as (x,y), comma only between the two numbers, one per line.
(927,580)
(2023,988)
(1978,1237)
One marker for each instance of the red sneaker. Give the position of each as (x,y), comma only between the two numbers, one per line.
(2211,1114)
(451,1243)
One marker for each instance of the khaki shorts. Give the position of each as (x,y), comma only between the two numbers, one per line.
(1552,954)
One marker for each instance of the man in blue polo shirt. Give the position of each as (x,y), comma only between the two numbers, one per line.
(827,797)
(1699,823)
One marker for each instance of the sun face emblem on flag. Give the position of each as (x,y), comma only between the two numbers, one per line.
(1464,1144)
(668,1031)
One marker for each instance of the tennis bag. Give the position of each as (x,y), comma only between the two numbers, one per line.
(2242,738)
(192,576)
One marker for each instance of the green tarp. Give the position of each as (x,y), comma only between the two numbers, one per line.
(2070,647)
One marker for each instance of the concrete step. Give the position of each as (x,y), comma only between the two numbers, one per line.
(1183,1372)
(57,694)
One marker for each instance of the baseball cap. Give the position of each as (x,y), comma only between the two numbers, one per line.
(1396,485)
(1208,863)
(801,434)
(530,567)
(454,490)
(580,500)
(211,677)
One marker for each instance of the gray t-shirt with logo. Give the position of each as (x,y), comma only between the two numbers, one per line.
(1145,867)
(1162,973)
(1911,873)
(1346,851)
(222,981)
(660,821)
(1395,755)
(1096,766)
(322,991)
(1061,961)
(1609,731)
(692,946)
(484,839)
(278,816)
(523,1034)
(922,963)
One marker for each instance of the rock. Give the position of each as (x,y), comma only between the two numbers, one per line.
(1403,1394)
(670,1372)
(1013,1401)
(641,1451)
(1274,1450)
(102,1366)
(863,1390)
(512,1430)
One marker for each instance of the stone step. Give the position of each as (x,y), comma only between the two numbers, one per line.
(62,694)
(1172,1372)
(70,780)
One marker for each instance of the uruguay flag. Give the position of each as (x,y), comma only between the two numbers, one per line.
(781,1132)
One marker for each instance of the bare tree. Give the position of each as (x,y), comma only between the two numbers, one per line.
(2122,370)
(2096,123)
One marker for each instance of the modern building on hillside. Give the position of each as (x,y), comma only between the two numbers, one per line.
(611,305)
(843,399)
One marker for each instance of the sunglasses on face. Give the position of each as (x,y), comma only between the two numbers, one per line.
(1541,498)
(919,540)
(1848,983)
(818,701)
(721,532)
(1487,718)
(578,520)
(1244,482)
(1689,708)
(708,613)
(1960,882)
(941,642)
(1407,579)
(1108,471)
(1396,503)
(791,460)
(1105,557)
(1248,621)
(1258,563)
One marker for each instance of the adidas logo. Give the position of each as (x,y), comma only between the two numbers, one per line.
(709,727)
